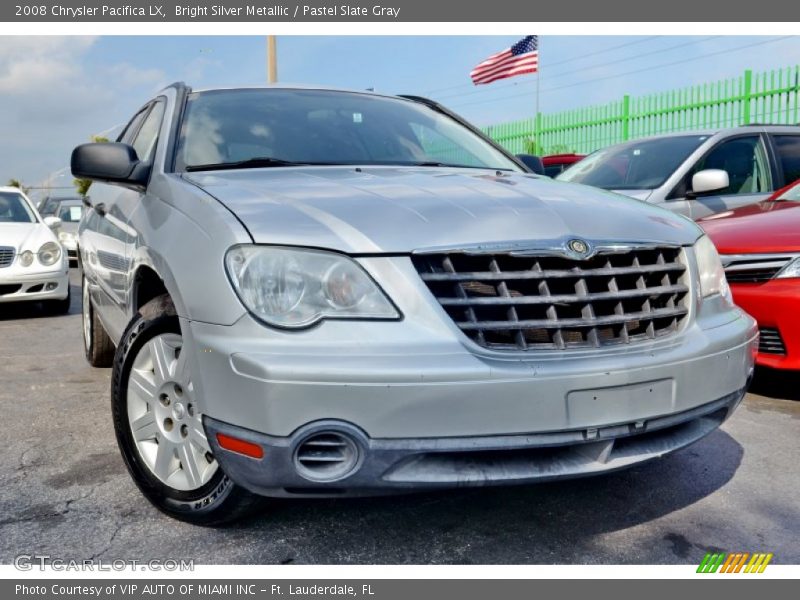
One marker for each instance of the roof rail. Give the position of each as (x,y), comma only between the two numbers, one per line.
(178,85)
(769,124)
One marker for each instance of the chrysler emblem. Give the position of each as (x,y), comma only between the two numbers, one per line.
(578,247)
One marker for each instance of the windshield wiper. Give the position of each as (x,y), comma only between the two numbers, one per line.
(250,163)
(268,161)
(428,163)
(433,163)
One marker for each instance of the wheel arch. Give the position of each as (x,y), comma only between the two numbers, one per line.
(148,282)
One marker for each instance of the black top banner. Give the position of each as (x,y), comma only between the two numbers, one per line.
(398,11)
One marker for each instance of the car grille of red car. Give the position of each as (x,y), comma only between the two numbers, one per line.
(508,301)
(770,341)
(754,268)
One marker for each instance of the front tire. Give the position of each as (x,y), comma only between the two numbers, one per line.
(159,429)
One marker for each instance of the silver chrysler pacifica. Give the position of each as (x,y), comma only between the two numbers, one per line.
(311,292)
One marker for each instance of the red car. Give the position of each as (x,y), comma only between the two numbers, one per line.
(556,163)
(760,249)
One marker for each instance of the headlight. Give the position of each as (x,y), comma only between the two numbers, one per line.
(49,254)
(294,288)
(26,258)
(790,270)
(709,267)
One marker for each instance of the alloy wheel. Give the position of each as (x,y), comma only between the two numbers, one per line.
(163,418)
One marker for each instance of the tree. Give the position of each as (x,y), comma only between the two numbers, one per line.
(18,184)
(83,185)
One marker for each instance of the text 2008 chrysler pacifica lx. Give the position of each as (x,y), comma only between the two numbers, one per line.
(310,292)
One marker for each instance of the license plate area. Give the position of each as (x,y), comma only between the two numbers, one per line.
(621,404)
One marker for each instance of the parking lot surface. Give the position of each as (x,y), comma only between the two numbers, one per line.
(64,490)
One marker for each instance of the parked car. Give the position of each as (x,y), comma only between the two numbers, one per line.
(697,174)
(69,211)
(308,300)
(554,164)
(48,206)
(32,264)
(760,247)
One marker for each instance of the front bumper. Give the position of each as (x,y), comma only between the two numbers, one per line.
(397,465)
(775,304)
(32,285)
(409,388)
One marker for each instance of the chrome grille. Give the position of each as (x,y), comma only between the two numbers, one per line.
(770,341)
(508,301)
(754,268)
(7,254)
(111,261)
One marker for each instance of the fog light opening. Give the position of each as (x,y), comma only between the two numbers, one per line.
(51,286)
(326,456)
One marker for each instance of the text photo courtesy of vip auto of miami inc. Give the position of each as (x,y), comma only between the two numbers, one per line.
(417,300)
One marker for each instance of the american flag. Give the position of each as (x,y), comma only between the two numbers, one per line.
(522,57)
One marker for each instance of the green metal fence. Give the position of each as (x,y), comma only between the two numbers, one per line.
(767,97)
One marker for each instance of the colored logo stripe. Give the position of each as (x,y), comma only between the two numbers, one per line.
(733,563)
(758,563)
(711,562)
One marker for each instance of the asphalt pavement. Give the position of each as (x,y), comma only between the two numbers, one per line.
(64,490)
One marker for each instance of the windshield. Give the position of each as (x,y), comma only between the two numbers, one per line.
(14,209)
(792,194)
(641,165)
(70,213)
(280,127)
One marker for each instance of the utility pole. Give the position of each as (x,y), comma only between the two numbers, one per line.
(272,59)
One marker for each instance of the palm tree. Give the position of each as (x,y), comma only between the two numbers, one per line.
(82,185)
(18,184)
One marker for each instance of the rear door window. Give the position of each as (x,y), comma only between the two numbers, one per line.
(788,149)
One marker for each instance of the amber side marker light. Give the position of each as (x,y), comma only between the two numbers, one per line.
(240,446)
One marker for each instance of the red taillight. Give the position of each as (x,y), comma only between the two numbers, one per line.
(240,446)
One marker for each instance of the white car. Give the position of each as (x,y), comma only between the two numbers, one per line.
(33,265)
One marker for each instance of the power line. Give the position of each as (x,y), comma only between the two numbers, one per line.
(565,61)
(600,64)
(625,45)
(651,68)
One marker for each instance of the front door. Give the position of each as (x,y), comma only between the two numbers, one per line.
(745,160)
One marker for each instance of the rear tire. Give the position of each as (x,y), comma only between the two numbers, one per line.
(159,429)
(97,346)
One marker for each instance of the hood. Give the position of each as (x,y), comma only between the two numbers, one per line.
(638,194)
(766,227)
(68,227)
(401,209)
(25,236)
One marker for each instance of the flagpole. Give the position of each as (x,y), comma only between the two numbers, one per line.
(272,59)
(537,146)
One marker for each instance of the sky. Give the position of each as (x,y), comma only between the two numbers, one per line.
(55,92)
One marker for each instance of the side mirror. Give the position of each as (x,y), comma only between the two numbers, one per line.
(52,222)
(109,162)
(709,180)
(534,163)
